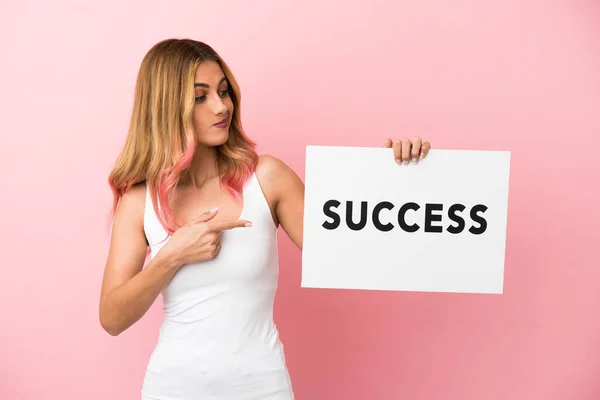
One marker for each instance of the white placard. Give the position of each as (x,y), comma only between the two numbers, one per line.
(441,224)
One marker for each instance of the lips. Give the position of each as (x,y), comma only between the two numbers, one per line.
(222,123)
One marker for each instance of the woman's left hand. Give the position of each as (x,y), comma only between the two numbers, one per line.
(406,150)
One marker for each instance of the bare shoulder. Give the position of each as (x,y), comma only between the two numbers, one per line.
(274,175)
(277,180)
(271,168)
(137,193)
(133,202)
(129,216)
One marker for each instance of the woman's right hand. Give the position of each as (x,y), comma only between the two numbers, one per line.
(199,239)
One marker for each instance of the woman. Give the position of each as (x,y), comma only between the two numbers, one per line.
(190,188)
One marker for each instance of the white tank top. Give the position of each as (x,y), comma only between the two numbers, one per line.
(218,339)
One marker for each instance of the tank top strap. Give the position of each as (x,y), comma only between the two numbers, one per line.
(155,233)
(256,207)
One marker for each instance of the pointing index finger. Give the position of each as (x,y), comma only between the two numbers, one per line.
(227,225)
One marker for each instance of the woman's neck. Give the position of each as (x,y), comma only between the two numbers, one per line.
(204,166)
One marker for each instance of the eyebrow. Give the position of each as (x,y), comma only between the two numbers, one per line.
(204,85)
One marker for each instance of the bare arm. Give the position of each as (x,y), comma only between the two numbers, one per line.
(285,194)
(127,290)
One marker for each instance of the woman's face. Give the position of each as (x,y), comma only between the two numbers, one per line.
(214,108)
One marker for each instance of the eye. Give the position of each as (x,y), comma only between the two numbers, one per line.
(200,99)
(224,93)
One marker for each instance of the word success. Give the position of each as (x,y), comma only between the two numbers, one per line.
(432,217)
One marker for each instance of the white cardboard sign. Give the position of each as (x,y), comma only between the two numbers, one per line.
(437,226)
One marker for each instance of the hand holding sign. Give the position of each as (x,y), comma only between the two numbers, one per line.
(406,151)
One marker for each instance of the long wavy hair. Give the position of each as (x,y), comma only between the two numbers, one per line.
(161,142)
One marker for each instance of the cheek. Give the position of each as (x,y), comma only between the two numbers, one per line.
(198,117)
(229,103)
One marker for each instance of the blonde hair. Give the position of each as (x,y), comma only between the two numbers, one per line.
(160,143)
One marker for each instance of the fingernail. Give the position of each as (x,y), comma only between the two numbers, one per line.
(212,210)
(406,162)
(421,156)
(248,224)
(397,161)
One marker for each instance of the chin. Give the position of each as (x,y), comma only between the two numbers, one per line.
(214,139)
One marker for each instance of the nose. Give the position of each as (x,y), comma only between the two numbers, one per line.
(217,105)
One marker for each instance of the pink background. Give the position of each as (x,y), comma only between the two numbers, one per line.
(504,75)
